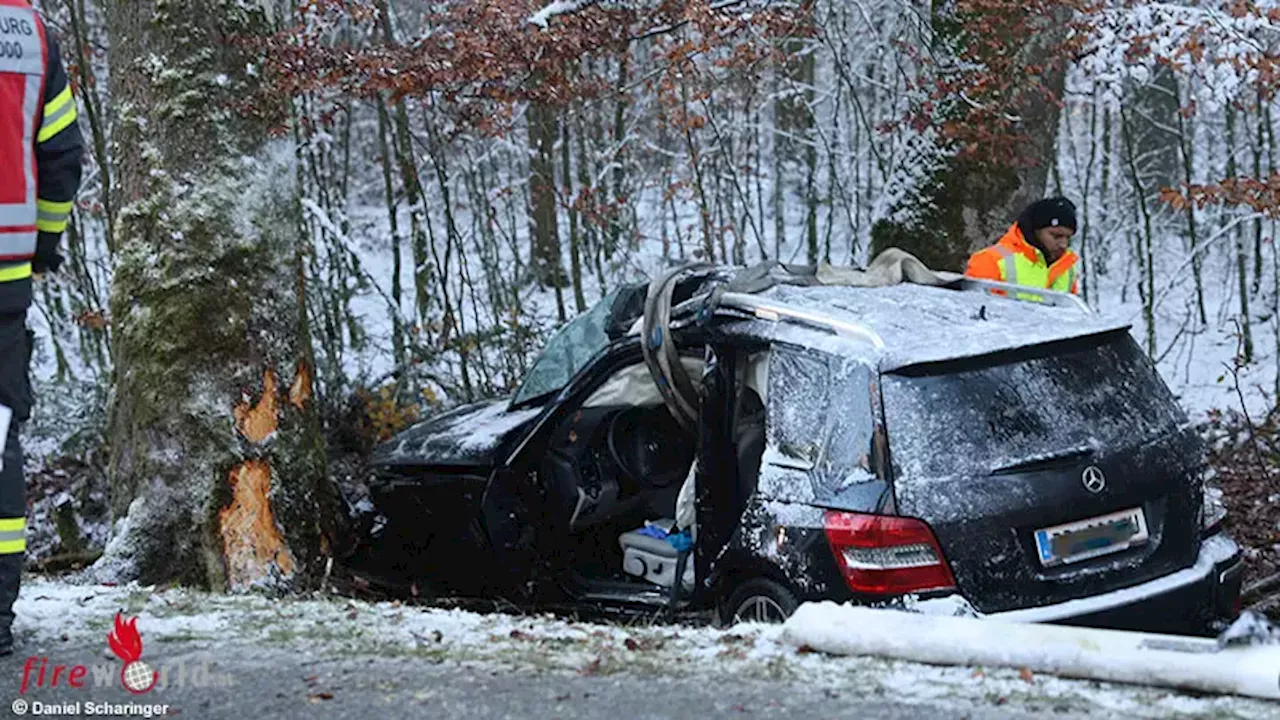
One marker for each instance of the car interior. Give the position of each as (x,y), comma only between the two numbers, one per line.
(617,463)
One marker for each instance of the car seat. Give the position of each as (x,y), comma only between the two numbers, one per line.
(652,558)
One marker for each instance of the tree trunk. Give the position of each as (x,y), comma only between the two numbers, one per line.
(397,327)
(217,463)
(781,149)
(1257,144)
(969,205)
(1087,285)
(589,226)
(1242,274)
(402,146)
(545,253)
(575,248)
(808,129)
(1143,249)
(1152,106)
(1186,142)
(84,70)
(618,157)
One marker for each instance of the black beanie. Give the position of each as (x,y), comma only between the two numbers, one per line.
(1050,212)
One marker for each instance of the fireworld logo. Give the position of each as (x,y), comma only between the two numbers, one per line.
(135,675)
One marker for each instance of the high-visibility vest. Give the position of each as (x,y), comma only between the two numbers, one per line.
(1017,269)
(23,60)
(1014,264)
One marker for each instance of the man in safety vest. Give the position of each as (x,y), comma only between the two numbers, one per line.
(40,150)
(1034,252)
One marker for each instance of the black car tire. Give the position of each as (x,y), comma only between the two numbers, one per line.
(759,600)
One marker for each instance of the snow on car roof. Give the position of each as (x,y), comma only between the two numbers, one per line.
(920,324)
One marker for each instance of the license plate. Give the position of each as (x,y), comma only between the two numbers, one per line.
(1090,538)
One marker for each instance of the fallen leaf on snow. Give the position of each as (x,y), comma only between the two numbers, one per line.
(1026,675)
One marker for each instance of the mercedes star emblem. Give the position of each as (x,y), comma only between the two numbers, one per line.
(1093,479)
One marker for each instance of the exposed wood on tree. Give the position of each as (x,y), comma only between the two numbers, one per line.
(253,545)
(208,301)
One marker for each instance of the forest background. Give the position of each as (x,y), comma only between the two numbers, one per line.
(306,224)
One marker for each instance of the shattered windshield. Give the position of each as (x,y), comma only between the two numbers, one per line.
(970,418)
(567,352)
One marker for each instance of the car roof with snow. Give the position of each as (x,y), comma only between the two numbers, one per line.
(908,323)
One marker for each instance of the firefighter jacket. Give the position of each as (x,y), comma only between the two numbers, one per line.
(40,151)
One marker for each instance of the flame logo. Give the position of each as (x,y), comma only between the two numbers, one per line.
(125,641)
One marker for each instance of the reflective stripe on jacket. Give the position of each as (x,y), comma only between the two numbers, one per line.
(1015,261)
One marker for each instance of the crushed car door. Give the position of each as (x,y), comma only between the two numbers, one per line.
(717,500)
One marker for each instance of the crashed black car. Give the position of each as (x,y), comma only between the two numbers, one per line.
(945,445)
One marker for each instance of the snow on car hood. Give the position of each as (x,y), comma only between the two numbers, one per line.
(466,435)
(921,324)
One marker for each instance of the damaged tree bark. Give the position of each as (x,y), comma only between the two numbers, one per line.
(218,475)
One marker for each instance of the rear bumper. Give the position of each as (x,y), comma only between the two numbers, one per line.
(1188,600)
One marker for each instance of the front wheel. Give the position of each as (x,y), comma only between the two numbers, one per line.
(759,600)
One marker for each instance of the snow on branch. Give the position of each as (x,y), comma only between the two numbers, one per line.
(556,8)
(543,17)
(662,29)
(1230,49)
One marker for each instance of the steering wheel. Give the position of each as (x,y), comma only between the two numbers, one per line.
(649,446)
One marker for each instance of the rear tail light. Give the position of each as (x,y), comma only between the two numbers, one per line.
(886,555)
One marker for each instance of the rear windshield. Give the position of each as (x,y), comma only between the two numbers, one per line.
(972,418)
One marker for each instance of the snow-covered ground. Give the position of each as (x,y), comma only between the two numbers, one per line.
(51,612)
